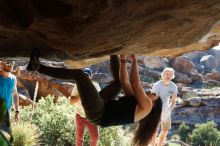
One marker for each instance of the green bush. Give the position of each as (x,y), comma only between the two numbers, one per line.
(3,139)
(25,134)
(2,109)
(149,79)
(113,136)
(184,131)
(110,136)
(190,95)
(205,135)
(55,120)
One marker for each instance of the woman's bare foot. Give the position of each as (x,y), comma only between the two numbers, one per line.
(34,62)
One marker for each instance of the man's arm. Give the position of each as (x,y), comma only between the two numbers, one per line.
(174,97)
(173,101)
(16,97)
(16,101)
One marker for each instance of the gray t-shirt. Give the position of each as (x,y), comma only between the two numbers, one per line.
(165,92)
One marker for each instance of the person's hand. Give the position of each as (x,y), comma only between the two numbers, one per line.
(124,59)
(132,57)
(16,116)
(123,56)
(128,58)
(171,107)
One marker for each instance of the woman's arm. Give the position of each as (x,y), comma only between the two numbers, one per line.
(123,76)
(173,101)
(144,103)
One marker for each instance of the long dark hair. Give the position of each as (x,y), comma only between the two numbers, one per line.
(148,125)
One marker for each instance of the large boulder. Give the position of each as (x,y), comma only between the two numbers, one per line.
(27,82)
(183,64)
(195,56)
(196,115)
(212,76)
(150,76)
(215,52)
(209,62)
(198,110)
(73,30)
(156,63)
(197,79)
(182,78)
(218,66)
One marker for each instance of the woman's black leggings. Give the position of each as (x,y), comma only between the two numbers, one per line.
(92,101)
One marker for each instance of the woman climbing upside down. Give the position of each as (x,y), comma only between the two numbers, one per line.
(100,108)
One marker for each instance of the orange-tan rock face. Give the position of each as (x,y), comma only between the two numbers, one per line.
(75,30)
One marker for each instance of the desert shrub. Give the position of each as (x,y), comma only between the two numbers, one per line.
(3,139)
(205,135)
(190,95)
(184,131)
(55,120)
(110,136)
(25,134)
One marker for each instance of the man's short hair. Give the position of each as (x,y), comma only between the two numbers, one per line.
(168,69)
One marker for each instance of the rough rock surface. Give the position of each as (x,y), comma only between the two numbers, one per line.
(198,110)
(76,30)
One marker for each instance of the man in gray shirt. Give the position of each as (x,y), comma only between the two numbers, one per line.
(167,91)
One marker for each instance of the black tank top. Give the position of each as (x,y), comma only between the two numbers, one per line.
(119,112)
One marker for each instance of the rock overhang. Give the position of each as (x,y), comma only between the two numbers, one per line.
(74,31)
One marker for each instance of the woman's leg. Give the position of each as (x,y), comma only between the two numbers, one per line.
(92,102)
(113,89)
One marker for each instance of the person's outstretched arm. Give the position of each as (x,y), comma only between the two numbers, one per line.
(144,103)
(123,75)
(16,103)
